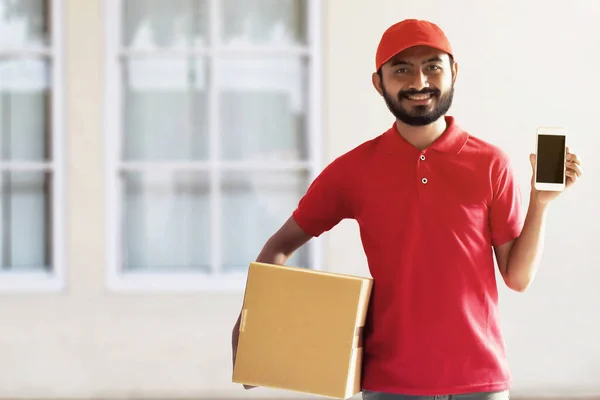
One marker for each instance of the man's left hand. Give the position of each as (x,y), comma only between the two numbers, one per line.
(573,172)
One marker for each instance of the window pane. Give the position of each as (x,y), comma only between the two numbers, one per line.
(262,104)
(172,24)
(255,205)
(24,110)
(264,22)
(25,221)
(166,222)
(165,109)
(24,23)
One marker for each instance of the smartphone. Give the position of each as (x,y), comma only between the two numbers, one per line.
(551,161)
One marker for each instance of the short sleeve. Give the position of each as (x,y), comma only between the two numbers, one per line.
(326,202)
(506,216)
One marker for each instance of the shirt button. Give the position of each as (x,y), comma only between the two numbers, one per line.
(424,181)
(422,157)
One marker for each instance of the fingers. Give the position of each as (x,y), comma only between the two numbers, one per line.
(573,159)
(574,169)
(572,175)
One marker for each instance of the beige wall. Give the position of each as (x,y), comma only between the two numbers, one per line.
(86,342)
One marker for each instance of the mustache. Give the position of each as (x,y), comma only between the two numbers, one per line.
(412,92)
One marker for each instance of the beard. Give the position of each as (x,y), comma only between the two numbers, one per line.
(419,115)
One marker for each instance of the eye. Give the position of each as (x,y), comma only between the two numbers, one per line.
(434,67)
(401,70)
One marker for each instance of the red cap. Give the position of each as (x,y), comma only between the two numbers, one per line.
(410,33)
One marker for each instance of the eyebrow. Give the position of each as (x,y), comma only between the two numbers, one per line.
(403,62)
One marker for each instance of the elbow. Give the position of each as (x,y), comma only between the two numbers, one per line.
(518,283)
(519,275)
(519,287)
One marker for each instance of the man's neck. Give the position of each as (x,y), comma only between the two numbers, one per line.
(422,137)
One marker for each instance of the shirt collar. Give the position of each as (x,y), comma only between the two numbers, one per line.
(451,141)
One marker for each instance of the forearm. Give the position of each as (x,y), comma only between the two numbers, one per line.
(527,250)
(270,254)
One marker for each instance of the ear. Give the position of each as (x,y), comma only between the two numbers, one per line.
(377,83)
(454,71)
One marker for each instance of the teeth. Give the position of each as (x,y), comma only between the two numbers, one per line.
(420,97)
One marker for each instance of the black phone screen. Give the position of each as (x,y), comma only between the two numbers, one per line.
(551,159)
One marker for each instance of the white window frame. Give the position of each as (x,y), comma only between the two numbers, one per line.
(55,279)
(117,280)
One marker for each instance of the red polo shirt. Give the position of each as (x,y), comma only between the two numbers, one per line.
(428,220)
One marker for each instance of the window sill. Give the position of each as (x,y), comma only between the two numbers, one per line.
(36,282)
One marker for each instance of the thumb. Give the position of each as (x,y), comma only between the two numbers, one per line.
(532,159)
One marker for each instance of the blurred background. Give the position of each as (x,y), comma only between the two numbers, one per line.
(148,148)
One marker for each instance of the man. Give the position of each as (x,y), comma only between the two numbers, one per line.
(434,205)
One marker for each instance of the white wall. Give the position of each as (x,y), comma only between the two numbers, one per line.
(528,64)
(519,69)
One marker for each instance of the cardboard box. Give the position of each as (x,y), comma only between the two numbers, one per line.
(301,330)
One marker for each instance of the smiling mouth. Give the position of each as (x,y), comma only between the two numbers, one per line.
(419,97)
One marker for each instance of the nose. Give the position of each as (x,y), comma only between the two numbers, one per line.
(419,80)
